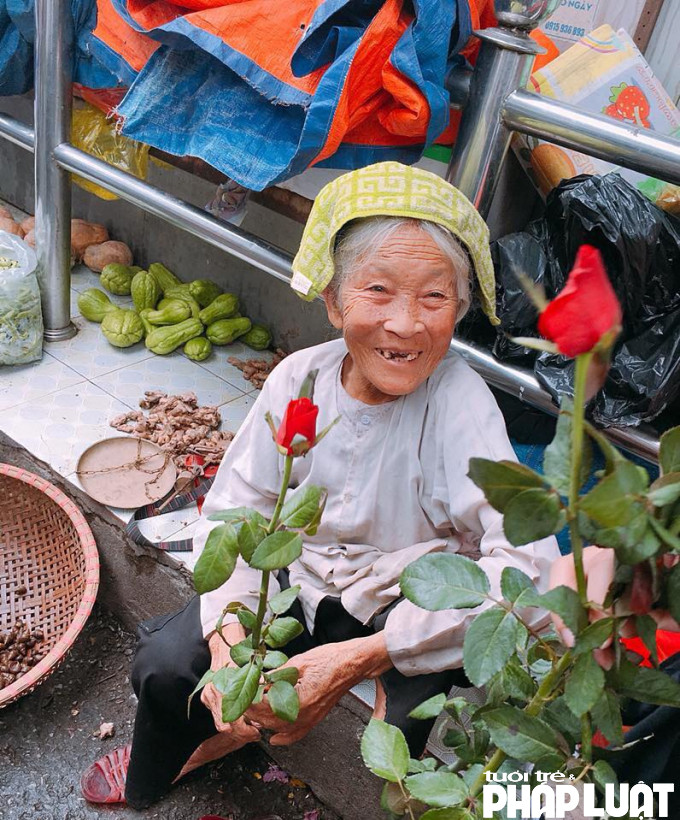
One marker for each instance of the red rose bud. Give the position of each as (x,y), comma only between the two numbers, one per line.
(297,431)
(585,311)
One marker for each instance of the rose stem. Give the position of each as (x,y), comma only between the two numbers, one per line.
(264,585)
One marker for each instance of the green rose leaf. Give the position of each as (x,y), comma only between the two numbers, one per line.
(612,502)
(644,684)
(281,631)
(565,602)
(438,789)
(206,679)
(283,601)
(444,581)
(531,515)
(300,509)
(246,618)
(673,592)
(645,626)
(557,458)
(384,750)
(251,533)
(274,659)
(604,775)
(218,559)
(235,514)
(242,652)
(516,681)
(431,708)
(664,536)
(286,673)
(520,735)
(665,490)
(284,701)
(513,583)
(238,691)
(606,715)
(585,685)
(277,551)
(427,764)
(489,644)
(645,547)
(563,720)
(669,451)
(593,636)
(501,481)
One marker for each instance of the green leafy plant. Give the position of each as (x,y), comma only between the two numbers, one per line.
(267,545)
(544,699)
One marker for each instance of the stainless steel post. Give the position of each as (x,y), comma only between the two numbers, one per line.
(504,64)
(53,71)
(594,134)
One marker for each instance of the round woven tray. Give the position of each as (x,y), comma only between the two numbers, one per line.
(47,547)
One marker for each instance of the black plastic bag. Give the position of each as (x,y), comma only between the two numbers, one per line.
(640,245)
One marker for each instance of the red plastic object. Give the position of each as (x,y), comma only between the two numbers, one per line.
(104,781)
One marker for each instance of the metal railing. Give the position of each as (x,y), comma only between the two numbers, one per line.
(495,107)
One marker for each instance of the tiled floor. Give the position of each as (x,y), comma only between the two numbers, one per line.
(59,406)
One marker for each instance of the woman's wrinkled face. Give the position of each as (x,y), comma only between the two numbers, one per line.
(397,311)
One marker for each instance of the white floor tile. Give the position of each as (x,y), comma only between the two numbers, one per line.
(234,413)
(89,353)
(83,278)
(218,364)
(28,382)
(61,425)
(173,374)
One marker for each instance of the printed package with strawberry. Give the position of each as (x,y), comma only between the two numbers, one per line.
(603,73)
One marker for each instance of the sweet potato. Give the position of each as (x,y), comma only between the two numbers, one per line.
(28,224)
(97,257)
(29,239)
(84,234)
(9,225)
(5,213)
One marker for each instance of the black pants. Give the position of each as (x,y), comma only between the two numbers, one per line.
(172,656)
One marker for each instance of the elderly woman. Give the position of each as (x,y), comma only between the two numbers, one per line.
(390,248)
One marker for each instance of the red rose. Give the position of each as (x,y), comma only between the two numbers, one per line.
(298,420)
(586,309)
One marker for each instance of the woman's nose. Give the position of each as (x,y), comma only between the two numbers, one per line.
(403,319)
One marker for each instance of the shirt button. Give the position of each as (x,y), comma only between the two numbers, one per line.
(365,420)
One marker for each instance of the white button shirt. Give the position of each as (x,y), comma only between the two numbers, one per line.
(396,476)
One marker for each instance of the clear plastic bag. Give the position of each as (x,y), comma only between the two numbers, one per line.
(21,324)
(92,131)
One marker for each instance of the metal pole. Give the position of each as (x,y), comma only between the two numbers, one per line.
(16,132)
(523,385)
(504,63)
(630,146)
(53,71)
(194,220)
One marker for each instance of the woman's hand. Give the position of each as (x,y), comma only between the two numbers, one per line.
(239,731)
(599,567)
(326,673)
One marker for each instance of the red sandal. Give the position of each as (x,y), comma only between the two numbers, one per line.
(104,781)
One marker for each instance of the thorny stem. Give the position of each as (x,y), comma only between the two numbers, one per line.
(264,585)
(581,372)
(533,708)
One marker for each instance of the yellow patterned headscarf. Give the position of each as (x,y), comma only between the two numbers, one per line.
(390,189)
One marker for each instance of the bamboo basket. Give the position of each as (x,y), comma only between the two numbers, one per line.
(47,547)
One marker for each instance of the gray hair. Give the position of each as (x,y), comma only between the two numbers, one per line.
(364,237)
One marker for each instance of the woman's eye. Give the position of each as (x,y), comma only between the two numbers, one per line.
(377,288)
(436,294)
